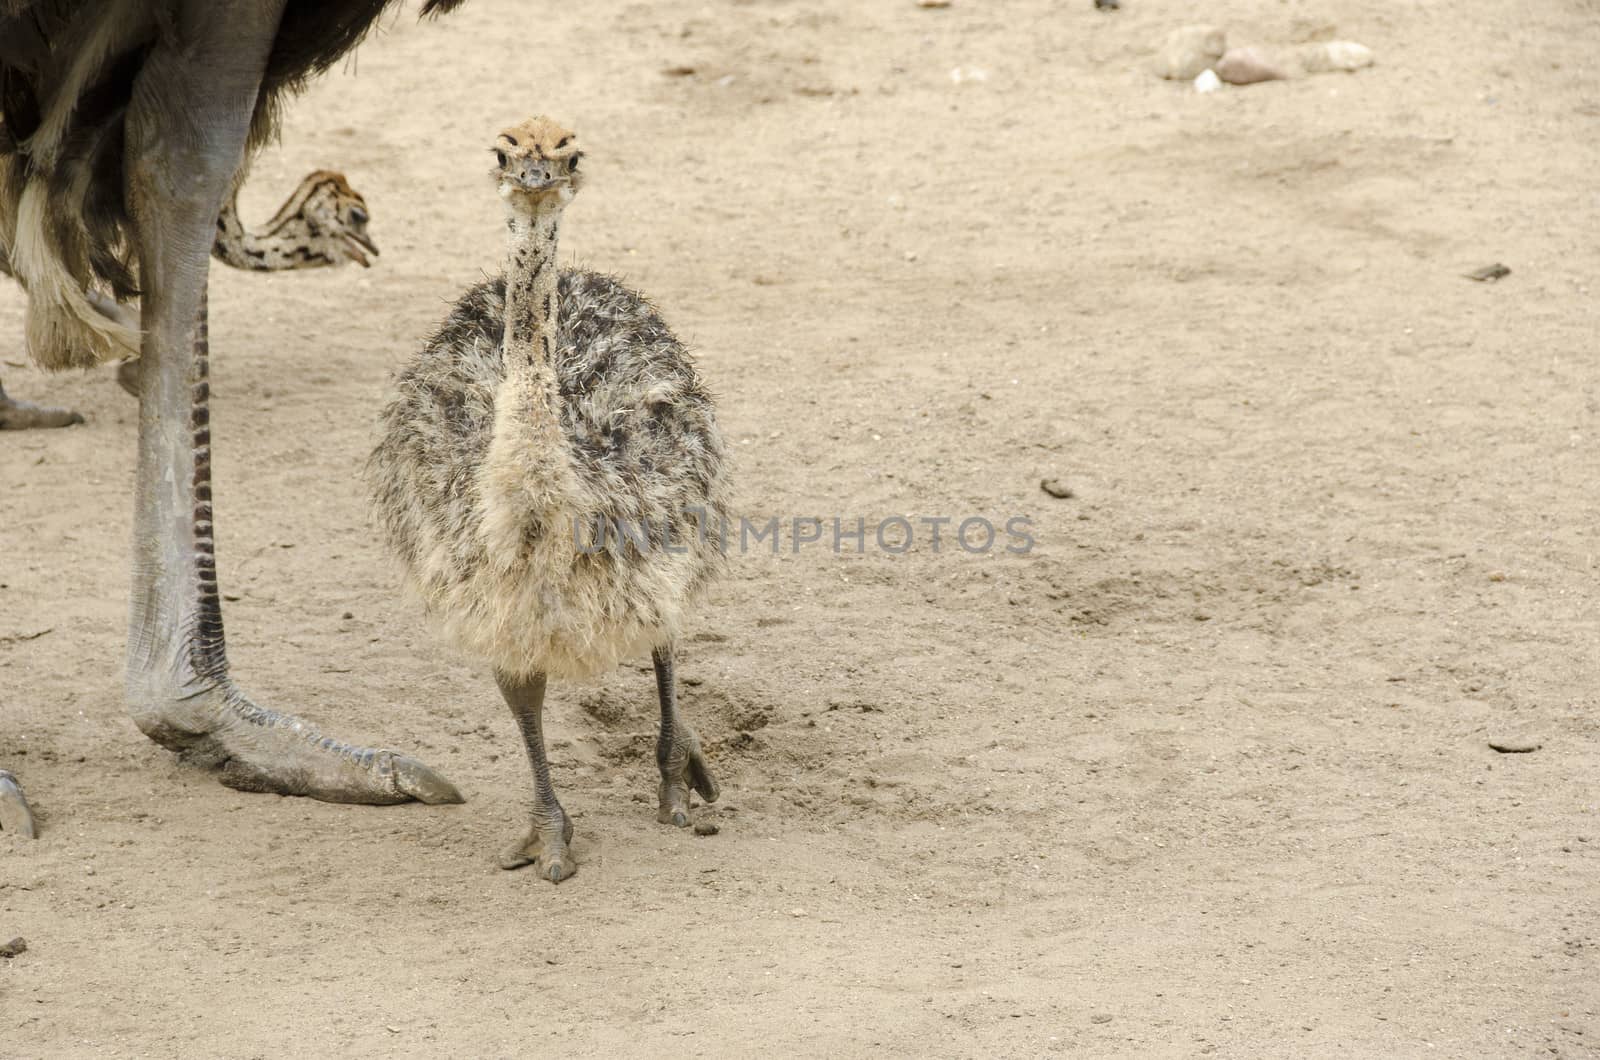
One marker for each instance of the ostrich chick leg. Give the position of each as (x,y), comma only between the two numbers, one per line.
(185,135)
(678,754)
(15,817)
(547,844)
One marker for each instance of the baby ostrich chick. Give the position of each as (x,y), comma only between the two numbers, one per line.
(548,473)
(324,223)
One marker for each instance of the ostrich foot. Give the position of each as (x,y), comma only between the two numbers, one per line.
(25,416)
(678,754)
(547,846)
(683,768)
(255,749)
(15,816)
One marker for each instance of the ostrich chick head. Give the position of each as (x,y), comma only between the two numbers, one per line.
(336,216)
(536,164)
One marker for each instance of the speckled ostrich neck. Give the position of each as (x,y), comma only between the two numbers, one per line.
(528,467)
(288,241)
(532,299)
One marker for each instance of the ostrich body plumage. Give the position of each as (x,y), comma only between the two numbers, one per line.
(507,580)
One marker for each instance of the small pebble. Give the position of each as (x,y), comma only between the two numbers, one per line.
(1247,66)
(348,614)
(797,912)
(1490,273)
(706,828)
(1107,5)
(1515,745)
(1335,56)
(1056,488)
(14,947)
(1497,575)
(1189,51)
(1100,1017)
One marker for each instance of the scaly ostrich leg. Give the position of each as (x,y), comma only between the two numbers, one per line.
(186,130)
(678,754)
(551,831)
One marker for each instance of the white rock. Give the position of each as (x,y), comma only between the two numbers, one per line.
(1208,81)
(1247,66)
(1334,56)
(1190,51)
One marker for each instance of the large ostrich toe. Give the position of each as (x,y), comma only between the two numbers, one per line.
(422,783)
(255,749)
(15,815)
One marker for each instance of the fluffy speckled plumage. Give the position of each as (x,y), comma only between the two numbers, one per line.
(503,574)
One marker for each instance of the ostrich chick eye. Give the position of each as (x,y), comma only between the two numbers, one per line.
(572,166)
(500,157)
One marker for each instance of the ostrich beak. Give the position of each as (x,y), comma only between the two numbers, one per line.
(355,243)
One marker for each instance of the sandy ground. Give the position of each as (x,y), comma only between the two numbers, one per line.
(1206,772)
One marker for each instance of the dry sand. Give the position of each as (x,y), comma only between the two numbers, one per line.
(1205,773)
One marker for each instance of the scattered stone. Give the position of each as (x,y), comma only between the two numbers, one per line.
(1056,488)
(1497,575)
(1335,56)
(14,947)
(1247,66)
(1107,5)
(1515,745)
(797,912)
(706,828)
(933,3)
(1489,273)
(678,70)
(1100,1017)
(1189,51)
(348,615)
(1208,81)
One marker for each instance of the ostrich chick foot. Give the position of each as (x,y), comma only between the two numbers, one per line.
(15,816)
(683,768)
(548,847)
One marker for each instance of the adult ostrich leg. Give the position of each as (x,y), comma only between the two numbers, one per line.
(187,121)
(186,129)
